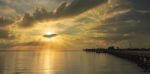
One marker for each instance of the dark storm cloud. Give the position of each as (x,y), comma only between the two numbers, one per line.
(77,7)
(123,30)
(2,3)
(5,21)
(64,10)
(131,22)
(141,4)
(131,25)
(39,15)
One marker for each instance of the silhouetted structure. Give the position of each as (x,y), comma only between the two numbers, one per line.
(139,56)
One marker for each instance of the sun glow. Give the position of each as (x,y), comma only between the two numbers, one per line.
(49,33)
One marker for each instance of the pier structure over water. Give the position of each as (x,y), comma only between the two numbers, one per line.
(141,57)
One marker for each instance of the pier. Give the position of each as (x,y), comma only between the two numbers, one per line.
(141,57)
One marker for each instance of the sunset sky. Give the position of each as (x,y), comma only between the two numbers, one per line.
(78,23)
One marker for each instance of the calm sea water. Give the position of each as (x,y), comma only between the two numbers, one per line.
(64,62)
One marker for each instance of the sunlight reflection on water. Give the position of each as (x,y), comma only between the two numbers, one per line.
(64,62)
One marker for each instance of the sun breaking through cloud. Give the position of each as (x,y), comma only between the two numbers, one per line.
(76,23)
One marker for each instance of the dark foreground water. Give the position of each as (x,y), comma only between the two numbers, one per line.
(64,62)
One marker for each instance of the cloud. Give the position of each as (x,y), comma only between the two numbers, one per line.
(135,20)
(122,21)
(13,44)
(142,5)
(113,37)
(5,34)
(132,25)
(7,11)
(40,14)
(5,22)
(33,43)
(2,3)
(77,7)
(64,10)
(131,22)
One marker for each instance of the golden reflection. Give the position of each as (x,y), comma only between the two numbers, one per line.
(45,62)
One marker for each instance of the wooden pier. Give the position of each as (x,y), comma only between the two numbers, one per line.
(141,57)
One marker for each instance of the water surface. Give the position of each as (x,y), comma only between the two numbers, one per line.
(64,62)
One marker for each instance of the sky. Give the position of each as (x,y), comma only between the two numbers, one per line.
(78,23)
